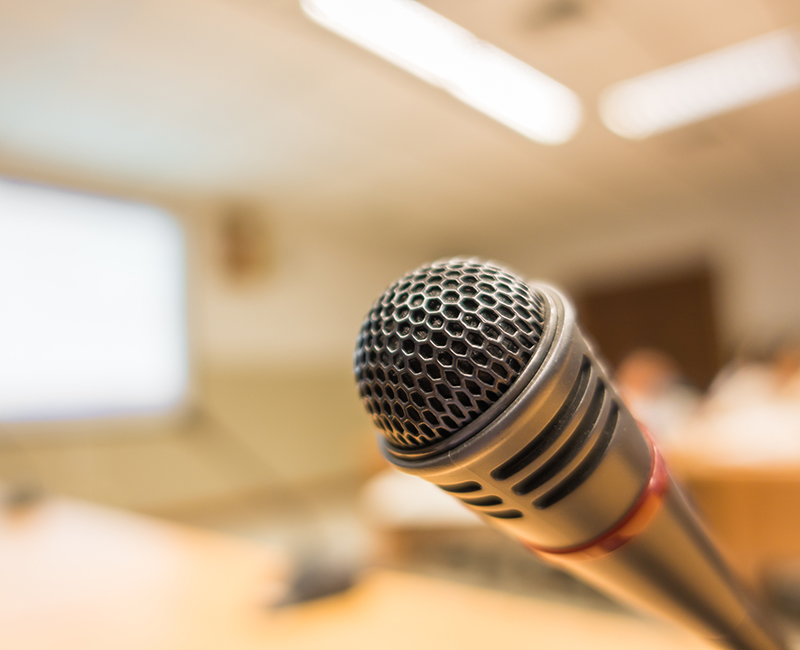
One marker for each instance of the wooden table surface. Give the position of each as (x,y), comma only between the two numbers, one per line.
(750,509)
(83,577)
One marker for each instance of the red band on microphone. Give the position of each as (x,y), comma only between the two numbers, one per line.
(634,522)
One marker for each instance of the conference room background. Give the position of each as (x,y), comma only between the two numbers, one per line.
(201,199)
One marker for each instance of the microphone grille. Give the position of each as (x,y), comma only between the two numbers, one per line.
(442,345)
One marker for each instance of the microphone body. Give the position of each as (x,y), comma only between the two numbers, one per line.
(555,460)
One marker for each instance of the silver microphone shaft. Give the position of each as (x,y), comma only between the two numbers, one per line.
(548,453)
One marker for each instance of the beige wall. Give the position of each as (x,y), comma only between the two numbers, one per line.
(255,431)
(272,359)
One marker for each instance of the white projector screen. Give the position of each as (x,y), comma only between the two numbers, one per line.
(92,307)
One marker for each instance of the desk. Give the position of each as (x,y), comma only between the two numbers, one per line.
(752,510)
(77,576)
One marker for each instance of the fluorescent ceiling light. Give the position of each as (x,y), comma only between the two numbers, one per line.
(92,307)
(704,86)
(431,47)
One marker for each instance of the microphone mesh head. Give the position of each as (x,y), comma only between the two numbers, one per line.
(442,345)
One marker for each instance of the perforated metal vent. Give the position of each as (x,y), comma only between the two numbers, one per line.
(442,345)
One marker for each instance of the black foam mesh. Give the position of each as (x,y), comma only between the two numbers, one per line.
(442,345)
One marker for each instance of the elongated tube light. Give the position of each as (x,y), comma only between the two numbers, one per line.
(699,88)
(446,55)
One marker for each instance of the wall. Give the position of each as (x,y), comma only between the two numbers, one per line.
(274,393)
(253,432)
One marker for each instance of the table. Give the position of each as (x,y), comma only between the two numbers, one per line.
(80,576)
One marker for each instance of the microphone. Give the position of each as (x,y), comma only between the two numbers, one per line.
(485,386)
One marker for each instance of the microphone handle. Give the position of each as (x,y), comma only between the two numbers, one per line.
(563,460)
(661,560)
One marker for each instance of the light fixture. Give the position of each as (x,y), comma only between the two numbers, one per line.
(704,86)
(444,54)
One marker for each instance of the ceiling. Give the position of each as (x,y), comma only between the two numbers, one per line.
(248,99)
